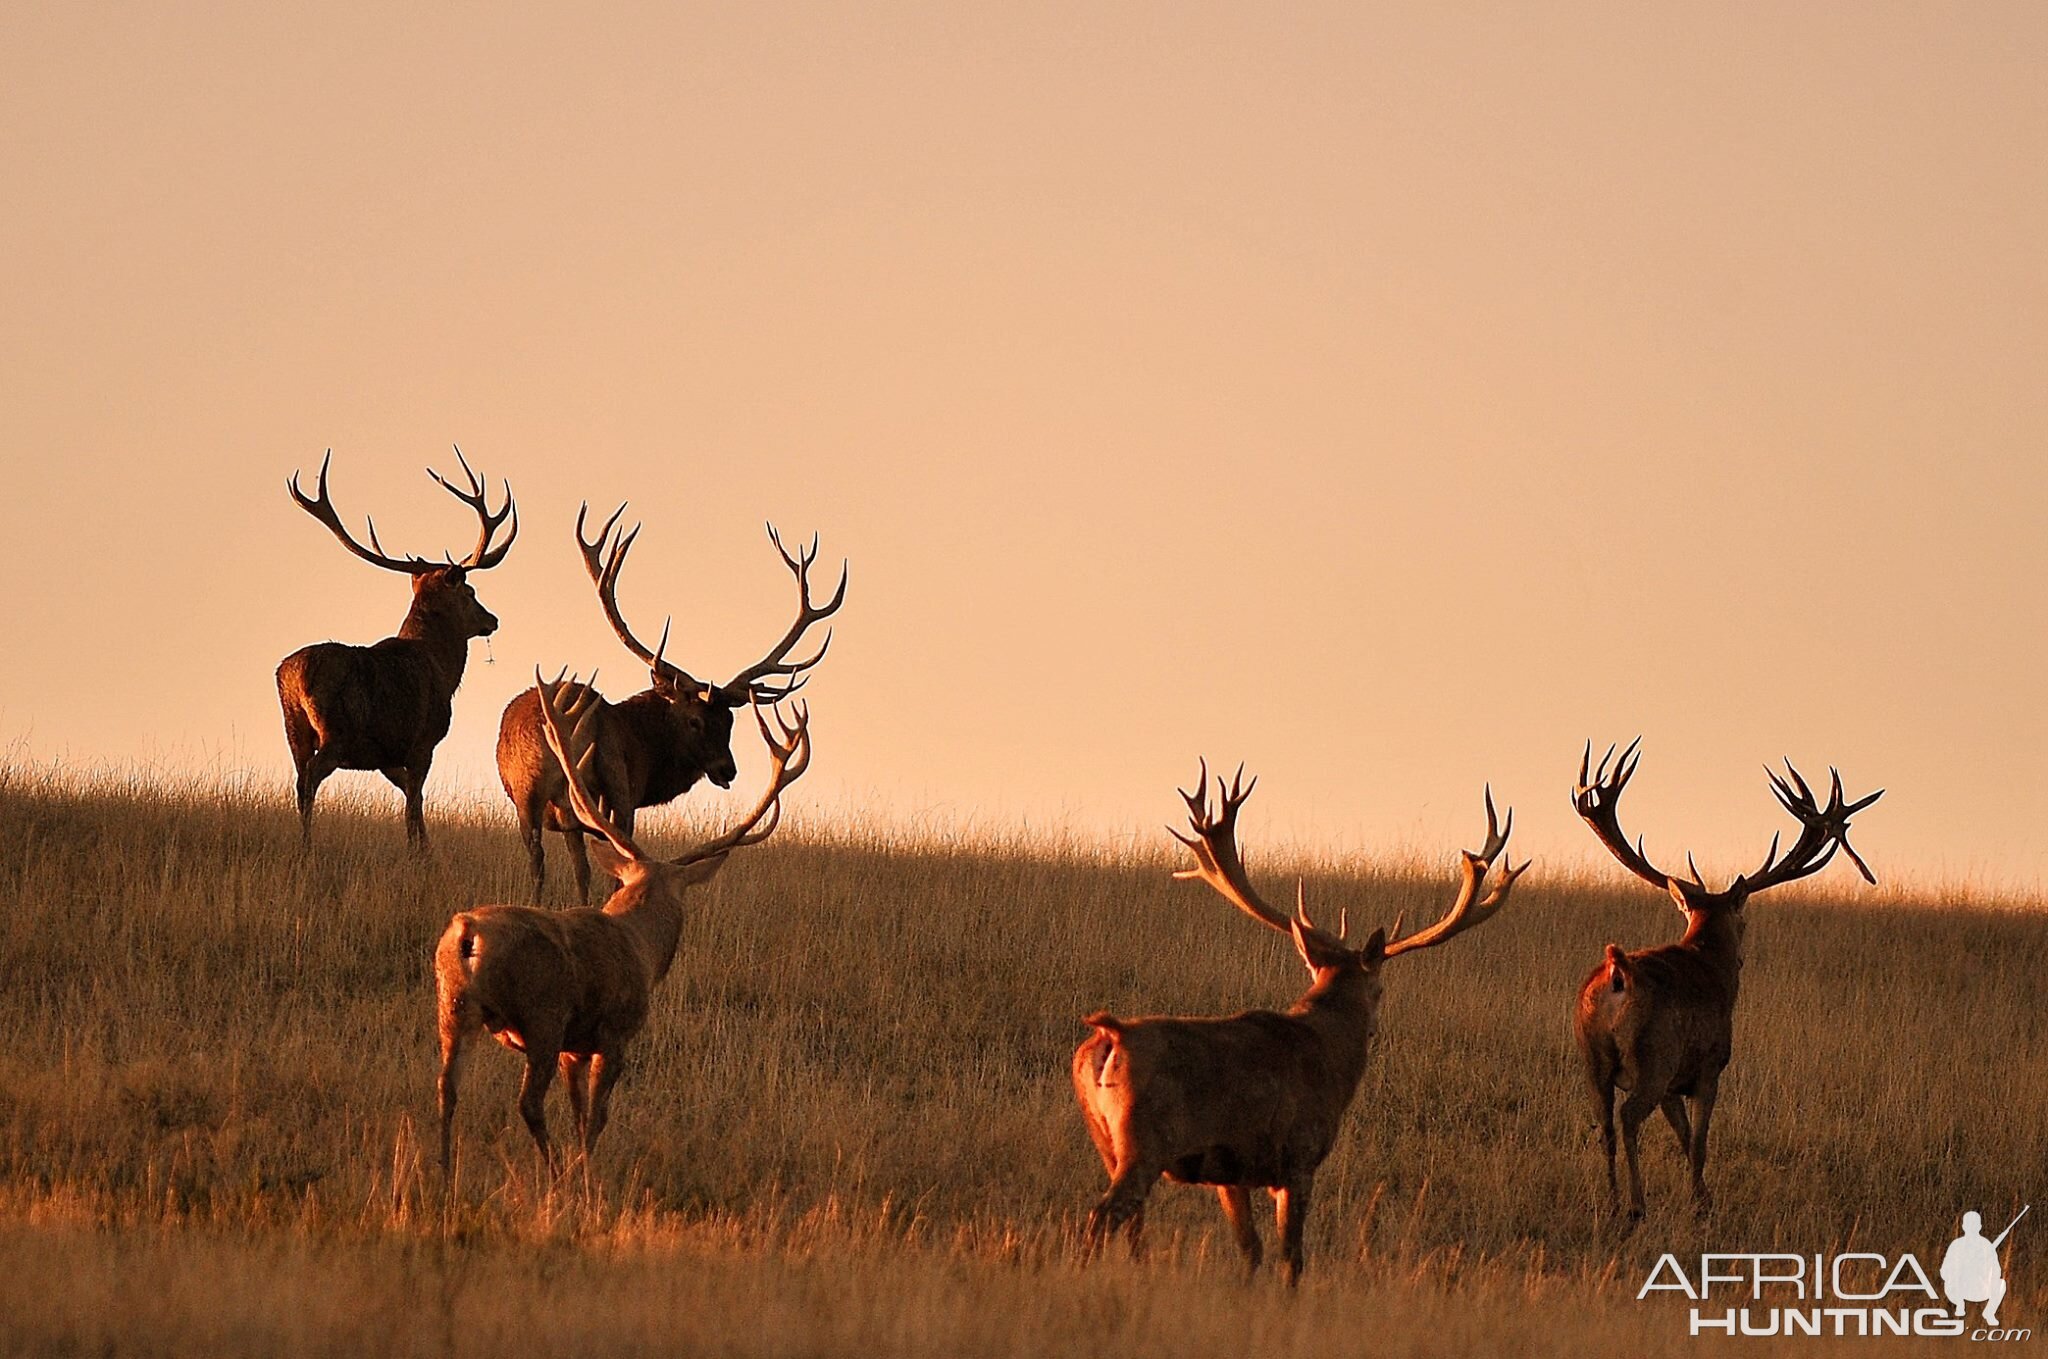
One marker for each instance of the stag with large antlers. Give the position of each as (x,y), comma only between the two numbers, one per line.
(652,747)
(1658,1024)
(1254,1100)
(571,988)
(385,707)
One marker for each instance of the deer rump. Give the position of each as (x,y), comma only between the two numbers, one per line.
(1239,1100)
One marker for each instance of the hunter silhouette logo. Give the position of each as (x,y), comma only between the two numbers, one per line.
(1970,1271)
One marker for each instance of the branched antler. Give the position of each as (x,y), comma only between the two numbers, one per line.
(747,685)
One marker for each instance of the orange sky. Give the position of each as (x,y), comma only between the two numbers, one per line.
(1390,397)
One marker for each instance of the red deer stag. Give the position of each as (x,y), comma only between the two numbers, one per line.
(385,707)
(1659,1023)
(572,987)
(653,747)
(1254,1100)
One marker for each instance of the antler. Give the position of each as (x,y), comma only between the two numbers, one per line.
(1597,797)
(1218,863)
(321,507)
(604,564)
(791,756)
(1823,830)
(566,703)
(1467,911)
(483,556)
(746,686)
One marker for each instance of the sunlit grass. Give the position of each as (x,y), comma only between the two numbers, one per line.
(848,1125)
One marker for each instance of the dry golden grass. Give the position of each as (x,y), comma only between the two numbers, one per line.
(849,1129)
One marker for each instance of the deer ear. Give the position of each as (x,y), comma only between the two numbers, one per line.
(701,871)
(608,860)
(1373,951)
(1677,890)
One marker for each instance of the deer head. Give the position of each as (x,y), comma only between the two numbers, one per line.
(704,711)
(441,591)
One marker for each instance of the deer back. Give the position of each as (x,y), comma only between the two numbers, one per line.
(374,706)
(1241,1099)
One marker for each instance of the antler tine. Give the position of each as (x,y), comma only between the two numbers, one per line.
(483,556)
(746,686)
(574,752)
(1468,910)
(789,759)
(321,506)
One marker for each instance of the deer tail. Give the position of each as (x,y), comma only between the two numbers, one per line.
(1618,973)
(1104,1021)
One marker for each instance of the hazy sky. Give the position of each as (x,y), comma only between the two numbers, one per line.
(1391,397)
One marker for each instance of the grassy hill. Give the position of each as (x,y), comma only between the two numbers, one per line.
(848,1125)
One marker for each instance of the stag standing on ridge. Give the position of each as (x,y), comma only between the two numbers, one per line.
(572,987)
(653,747)
(1254,1100)
(385,707)
(1659,1023)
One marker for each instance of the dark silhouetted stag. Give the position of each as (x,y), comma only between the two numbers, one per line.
(385,707)
(1659,1023)
(653,747)
(572,987)
(1254,1100)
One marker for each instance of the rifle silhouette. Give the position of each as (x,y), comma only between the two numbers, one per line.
(2000,1239)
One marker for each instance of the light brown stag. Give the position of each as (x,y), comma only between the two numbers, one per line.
(385,707)
(1252,1100)
(1659,1023)
(655,745)
(572,987)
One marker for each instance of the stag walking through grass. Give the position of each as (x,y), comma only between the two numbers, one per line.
(572,987)
(653,747)
(1254,1100)
(1658,1024)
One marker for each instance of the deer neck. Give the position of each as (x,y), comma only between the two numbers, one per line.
(652,915)
(1340,1008)
(444,643)
(1715,936)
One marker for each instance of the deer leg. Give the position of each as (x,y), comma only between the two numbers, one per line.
(1291,1206)
(1634,1110)
(1674,1114)
(534,834)
(576,1075)
(456,1023)
(1703,1106)
(414,785)
(1603,1096)
(312,774)
(1124,1200)
(606,1068)
(533,1094)
(1237,1206)
(579,865)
